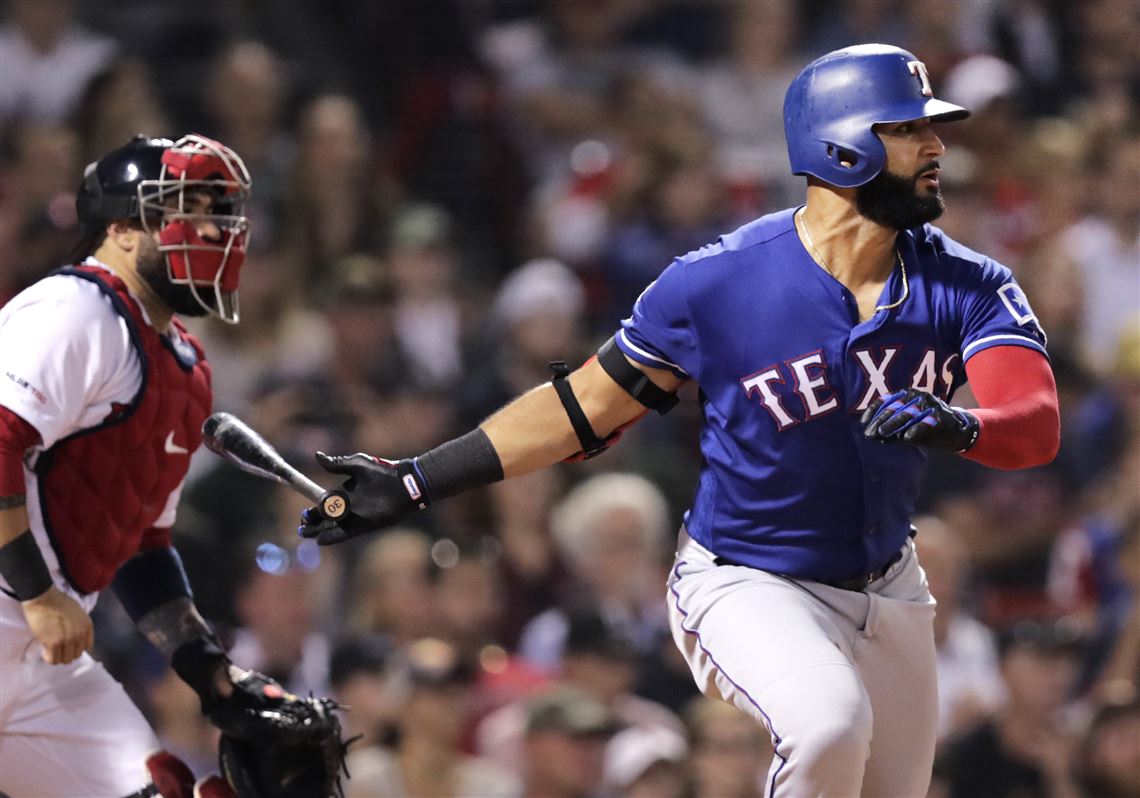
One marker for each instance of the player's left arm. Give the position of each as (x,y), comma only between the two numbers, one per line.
(1003,347)
(1018,411)
(1017,423)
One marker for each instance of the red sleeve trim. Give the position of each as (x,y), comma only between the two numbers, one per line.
(1017,408)
(16,437)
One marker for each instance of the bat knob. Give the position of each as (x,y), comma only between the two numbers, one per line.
(333,504)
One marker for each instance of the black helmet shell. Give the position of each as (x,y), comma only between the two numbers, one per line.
(110,185)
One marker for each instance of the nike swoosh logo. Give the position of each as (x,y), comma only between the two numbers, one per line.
(172,447)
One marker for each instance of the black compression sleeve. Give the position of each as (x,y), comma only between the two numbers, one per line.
(469,461)
(149,580)
(23,567)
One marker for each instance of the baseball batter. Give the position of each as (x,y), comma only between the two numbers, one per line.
(102,398)
(826,341)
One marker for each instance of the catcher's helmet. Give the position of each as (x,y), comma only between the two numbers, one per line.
(148,180)
(832,104)
(110,187)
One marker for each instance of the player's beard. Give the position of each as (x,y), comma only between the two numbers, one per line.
(895,202)
(151,266)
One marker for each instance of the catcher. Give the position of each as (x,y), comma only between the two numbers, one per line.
(102,398)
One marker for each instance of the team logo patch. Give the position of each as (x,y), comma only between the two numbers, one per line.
(173,448)
(918,69)
(184,351)
(1016,303)
(411,486)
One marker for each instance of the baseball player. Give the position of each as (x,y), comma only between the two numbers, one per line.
(102,398)
(826,341)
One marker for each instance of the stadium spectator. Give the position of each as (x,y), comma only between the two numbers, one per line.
(246,102)
(392,593)
(46,59)
(277,606)
(1110,752)
(468,596)
(598,661)
(119,101)
(728,753)
(429,314)
(360,679)
(1028,746)
(969,682)
(611,531)
(425,758)
(646,763)
(333,205)
(737,94)
(565,735)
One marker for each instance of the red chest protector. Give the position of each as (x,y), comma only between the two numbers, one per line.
(102,487)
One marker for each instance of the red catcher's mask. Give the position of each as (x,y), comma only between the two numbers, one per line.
(204,251)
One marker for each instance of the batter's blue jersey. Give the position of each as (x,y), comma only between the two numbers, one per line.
(785,368)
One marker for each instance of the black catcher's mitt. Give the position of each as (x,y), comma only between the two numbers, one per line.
(277,745)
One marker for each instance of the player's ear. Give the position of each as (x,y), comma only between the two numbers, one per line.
(123,233)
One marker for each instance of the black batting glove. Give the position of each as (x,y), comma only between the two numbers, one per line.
(380,493)
(922,419)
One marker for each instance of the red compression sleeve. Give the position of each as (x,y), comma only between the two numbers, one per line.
(1017,408)
(16,437)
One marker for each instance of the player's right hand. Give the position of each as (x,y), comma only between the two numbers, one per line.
(60,624)
(380,493)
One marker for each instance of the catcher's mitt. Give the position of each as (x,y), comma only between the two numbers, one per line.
(277,745)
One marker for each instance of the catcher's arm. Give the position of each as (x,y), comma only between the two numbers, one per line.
(245,705)
(57,621)
(153,588)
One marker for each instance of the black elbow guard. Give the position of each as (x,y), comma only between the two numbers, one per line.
(635,382)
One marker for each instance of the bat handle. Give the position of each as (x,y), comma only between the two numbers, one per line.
(333,504)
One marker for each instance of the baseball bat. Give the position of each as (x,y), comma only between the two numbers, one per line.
(232,439)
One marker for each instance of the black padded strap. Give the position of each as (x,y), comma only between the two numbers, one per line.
(635,381)
(592,445)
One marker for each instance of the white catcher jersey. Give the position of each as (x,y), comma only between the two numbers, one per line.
(65,358)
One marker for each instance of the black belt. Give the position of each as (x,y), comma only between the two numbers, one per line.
(857,583)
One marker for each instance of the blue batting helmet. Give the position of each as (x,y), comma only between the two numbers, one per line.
(831,105)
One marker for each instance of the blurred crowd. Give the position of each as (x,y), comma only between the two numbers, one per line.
(448,194)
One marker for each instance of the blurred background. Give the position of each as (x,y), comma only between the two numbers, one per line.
(450,193)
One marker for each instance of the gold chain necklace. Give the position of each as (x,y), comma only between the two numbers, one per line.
(819,259)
